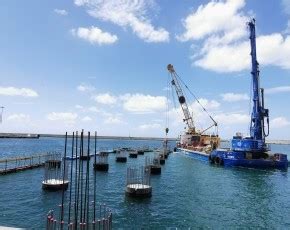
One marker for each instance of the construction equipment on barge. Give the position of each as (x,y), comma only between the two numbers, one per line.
(195,143)
(252,151)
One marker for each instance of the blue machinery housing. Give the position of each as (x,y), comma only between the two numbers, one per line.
(230,158)
(251,152)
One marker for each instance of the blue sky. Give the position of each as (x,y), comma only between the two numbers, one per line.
(101,65)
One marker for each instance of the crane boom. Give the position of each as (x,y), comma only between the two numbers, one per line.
(259,113)
(187,117)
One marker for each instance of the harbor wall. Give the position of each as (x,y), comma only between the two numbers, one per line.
(29,135)
(33,135)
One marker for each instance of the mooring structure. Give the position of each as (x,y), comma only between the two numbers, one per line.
(55,175)
(133,154)
(121,156)
(154,164)
(138,182)
(101,162)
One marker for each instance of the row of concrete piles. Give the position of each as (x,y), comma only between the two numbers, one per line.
(60,175)
(138,179)
(101,163)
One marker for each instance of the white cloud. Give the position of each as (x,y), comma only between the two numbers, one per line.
(68,118)
(200,118)
(113,119)
(222,18)
(94,109)
(95,35)
(85,88)
(81,2)
(86,119)
(280,89)
(60,12)
(79,107)
(233,97)
(279,122)
(135,103)
(224,35)
(150,126)
(232,118)
(140,103)
(12,91)
(175,116)
(19,117)
(216,58)
(272,49)
(208,104)
(106,99)
(228,122)
(127,13)
(108,117)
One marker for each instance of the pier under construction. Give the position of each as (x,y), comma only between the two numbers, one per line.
(18,164)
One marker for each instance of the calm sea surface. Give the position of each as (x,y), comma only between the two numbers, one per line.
(188,193)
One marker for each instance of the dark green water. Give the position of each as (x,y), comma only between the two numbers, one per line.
(188,193)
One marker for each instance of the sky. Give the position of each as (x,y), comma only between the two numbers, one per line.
(100,65)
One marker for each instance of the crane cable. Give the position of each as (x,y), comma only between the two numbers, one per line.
(167,117)
(172,89)
(167,107)
(215,123)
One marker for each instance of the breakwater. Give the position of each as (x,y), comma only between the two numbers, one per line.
(18,135)
(29,135)
(113,137)
(33,135)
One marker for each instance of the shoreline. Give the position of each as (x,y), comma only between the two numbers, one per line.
(112,137)
(36,136)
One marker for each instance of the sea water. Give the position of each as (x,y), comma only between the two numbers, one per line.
(188,194)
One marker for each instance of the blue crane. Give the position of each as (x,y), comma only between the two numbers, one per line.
(259,113)
(256,142)
(252,151)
